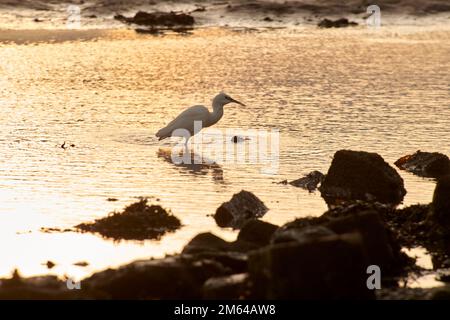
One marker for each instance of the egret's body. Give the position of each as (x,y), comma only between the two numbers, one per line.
(192,120)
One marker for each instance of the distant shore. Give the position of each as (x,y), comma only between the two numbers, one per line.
(100,14)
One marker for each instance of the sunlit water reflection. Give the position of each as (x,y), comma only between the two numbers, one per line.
(386,92)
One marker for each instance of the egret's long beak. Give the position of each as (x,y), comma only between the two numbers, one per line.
(235,101)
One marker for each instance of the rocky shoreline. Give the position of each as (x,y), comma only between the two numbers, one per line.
(325,257)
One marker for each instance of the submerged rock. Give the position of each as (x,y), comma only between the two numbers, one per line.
(242,207)
(310,181)
(138,221)
(425,164)
(339,23)
(359,175)
(167,19)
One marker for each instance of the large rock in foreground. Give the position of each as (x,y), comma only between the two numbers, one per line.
(440,212)
(242,207)
(425,164)
(359,175)
(331,267)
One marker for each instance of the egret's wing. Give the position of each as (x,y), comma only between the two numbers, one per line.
(185,120)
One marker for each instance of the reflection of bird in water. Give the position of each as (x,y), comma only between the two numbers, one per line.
(194,166)
(183,124)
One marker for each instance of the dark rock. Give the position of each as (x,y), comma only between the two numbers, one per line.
(257,232)
(231,287)
(331,267)
(303,234)
(242,207)
(50,264)
(310,181)
(152,31)
(206,242)
(442,293)
(199,9)
(41,288)
(437,7)
(138,221)
(368,219)
(180,277)
(168,19)
(237,262)
(268,19)
(377,241)
(358,175)
(425,164)
(339,23)
(440,213)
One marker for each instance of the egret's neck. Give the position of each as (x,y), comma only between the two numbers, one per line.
(217,113)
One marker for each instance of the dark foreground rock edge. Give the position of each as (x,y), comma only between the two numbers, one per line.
(322,257)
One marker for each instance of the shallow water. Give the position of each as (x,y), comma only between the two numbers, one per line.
(324,90)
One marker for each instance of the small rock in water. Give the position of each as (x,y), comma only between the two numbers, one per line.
(138,221)
(310,181)
(199,9)
(425,164)
(237,139)
(339,23)
(242,207)
(81,264)
(50,264)
(168,19)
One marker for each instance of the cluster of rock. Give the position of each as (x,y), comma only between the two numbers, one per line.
(325,257)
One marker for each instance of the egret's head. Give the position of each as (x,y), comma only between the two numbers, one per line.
(223,99)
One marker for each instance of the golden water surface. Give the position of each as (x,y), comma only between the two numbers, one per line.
(108,92)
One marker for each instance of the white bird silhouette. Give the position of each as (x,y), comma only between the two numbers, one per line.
(183,125)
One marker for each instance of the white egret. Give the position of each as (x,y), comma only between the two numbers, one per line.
(183,125)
